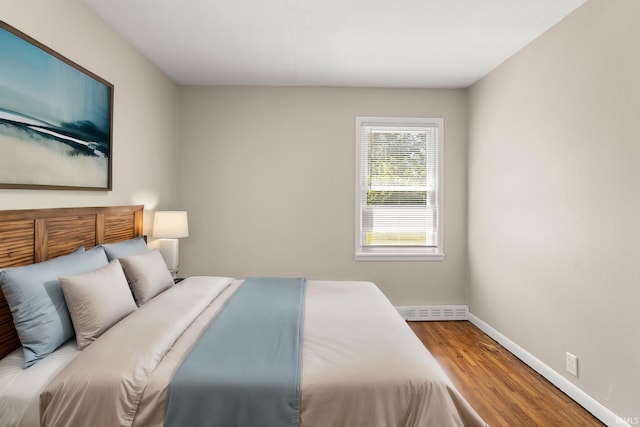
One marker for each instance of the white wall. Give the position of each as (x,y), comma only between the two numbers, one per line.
(267,175)
(554,199)
(145,100)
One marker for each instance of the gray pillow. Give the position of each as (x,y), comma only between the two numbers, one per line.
(35,298)
(147,275)
(125,248)
(97,300)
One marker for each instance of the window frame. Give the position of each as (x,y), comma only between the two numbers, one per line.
(397,253)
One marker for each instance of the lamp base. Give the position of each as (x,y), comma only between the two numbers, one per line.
(169,250)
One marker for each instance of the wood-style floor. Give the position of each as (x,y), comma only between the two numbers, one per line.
(501,388)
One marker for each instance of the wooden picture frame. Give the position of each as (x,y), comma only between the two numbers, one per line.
(56,119)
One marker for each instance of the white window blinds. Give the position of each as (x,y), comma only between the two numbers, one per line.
(398,187)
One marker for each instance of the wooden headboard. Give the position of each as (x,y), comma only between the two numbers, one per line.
(35,235)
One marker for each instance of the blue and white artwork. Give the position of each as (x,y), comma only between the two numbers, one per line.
(55,119)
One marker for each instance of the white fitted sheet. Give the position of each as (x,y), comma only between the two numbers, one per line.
(20,388)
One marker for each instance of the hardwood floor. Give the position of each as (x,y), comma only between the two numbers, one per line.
(501,388)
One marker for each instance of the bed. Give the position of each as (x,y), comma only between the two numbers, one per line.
(361,365)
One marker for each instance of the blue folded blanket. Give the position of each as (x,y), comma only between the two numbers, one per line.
(245,369)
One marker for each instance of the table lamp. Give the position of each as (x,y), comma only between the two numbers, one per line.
(168,227)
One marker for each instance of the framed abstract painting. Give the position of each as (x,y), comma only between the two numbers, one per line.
(56,119)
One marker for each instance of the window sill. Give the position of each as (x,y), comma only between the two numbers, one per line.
(400,257)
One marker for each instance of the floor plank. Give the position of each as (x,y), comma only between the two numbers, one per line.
(501,388)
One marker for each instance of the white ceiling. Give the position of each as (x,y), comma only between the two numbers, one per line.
(359,43)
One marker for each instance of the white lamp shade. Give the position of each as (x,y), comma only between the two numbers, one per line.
(170,225)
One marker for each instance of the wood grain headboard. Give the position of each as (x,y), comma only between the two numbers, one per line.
(35,235)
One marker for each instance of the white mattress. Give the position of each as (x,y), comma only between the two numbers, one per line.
(20,388)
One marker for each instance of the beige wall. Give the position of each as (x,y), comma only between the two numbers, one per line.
(267,175)
(554,199)
(145,102)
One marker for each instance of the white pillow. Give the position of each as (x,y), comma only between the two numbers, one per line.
(97,300)
(147,274)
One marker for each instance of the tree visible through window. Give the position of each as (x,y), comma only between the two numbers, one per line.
(399,187)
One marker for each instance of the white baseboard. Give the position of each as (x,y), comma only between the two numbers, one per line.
(434,312)
(598,410)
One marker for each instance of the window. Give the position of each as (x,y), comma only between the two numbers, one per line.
(399,180)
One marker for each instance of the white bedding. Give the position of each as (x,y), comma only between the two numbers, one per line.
(362,365)
(20,388)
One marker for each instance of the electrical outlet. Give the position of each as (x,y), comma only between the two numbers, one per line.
(572,364)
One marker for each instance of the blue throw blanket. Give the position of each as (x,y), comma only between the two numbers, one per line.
(245,370)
